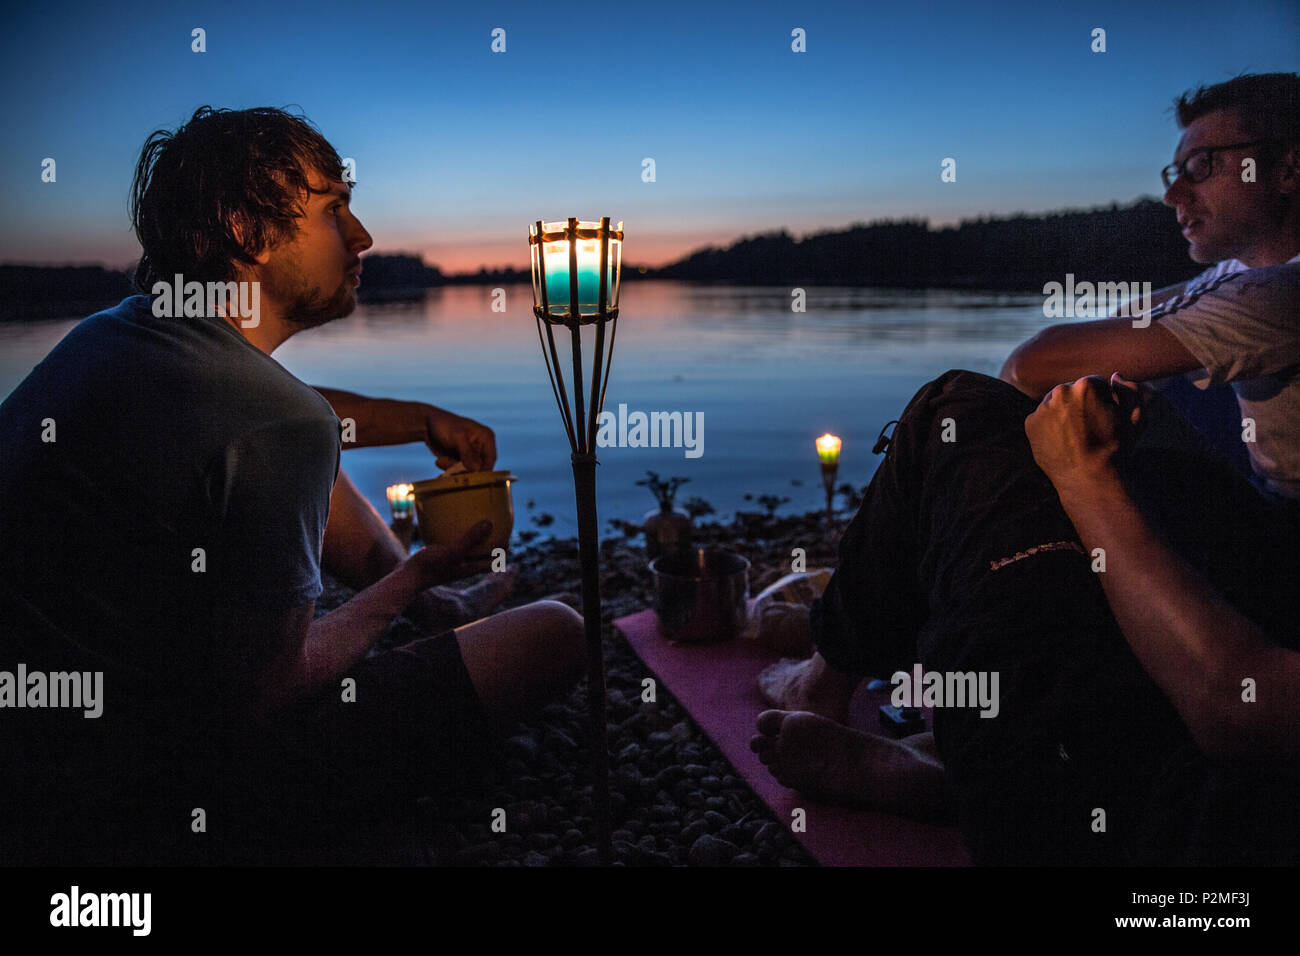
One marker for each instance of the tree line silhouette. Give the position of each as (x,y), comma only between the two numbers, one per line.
(1139,242)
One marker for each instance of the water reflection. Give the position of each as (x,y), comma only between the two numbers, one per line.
(767,379)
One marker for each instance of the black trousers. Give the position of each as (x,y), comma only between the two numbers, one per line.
(962,558)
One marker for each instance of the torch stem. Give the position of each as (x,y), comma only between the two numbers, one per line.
(828,479)
(584,482)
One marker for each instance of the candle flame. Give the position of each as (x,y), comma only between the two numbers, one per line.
(828,444)
(401,499)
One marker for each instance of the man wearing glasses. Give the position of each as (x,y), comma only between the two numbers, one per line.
(1150,704)
(1234,184)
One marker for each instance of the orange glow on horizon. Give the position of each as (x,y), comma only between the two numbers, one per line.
(469,254)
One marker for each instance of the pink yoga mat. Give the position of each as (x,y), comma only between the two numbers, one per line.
(717,684)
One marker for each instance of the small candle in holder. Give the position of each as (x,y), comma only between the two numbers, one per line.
(828,449)
(401,498)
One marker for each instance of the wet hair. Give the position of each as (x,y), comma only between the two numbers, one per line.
(1266,104)
(224,170)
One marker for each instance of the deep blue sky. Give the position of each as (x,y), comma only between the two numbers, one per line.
(458,149)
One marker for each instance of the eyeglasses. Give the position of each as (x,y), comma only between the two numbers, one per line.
(1198,165)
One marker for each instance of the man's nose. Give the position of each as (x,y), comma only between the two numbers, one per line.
(1176,193)
(362,239)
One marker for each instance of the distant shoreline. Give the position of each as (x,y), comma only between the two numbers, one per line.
(1137,242)
(15,309)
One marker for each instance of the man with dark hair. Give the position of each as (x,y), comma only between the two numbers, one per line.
(1234,184)
(208,221)
(166,498)
(1131,589)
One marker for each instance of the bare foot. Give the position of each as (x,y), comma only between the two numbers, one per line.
(442,608)
(784,628)
(811,685)
(483,598)
(826,760)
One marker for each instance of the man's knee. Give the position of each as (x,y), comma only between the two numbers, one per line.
(965,388)
(562,629)
(966,412)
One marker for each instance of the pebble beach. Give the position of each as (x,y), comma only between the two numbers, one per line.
(675,800)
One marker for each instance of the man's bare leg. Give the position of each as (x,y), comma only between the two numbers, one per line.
(523,658)
(826,760)
(359,549)
(811,685)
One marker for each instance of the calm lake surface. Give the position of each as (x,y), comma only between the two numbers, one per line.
(767,381)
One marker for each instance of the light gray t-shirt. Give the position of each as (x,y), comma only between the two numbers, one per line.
(1243,326)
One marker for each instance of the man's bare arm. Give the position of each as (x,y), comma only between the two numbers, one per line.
(308,655)
(387,421)
(314,654)
(358,547)
(379,421)
(1195,645)
(1063,353)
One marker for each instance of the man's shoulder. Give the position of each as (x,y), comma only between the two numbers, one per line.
(180,388)
(132,324)
(104,323)
(1235,271)
(1269,293)
(191,357)
(1284,277)
(1214,274)
(130,306)
(1269,289)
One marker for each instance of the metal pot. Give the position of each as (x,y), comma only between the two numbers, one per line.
(701,595)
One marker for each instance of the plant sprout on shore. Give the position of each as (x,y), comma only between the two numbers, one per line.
(664,491)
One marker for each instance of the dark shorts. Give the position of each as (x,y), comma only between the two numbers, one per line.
(124,789)
(402,724)
(342,769)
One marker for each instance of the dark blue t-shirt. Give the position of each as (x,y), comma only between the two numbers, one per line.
(189,475)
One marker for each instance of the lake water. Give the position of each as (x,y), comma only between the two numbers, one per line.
(767,381)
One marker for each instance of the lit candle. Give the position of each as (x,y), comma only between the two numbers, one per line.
(828,449)
(401,498)
(555,259)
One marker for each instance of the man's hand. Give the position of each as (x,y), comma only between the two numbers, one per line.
(455,438)
(434,564)
(1078,429)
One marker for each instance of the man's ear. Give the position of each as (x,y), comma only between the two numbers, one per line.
(262,257)
(1288,166)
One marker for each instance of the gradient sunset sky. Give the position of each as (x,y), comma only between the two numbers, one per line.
(459,148)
